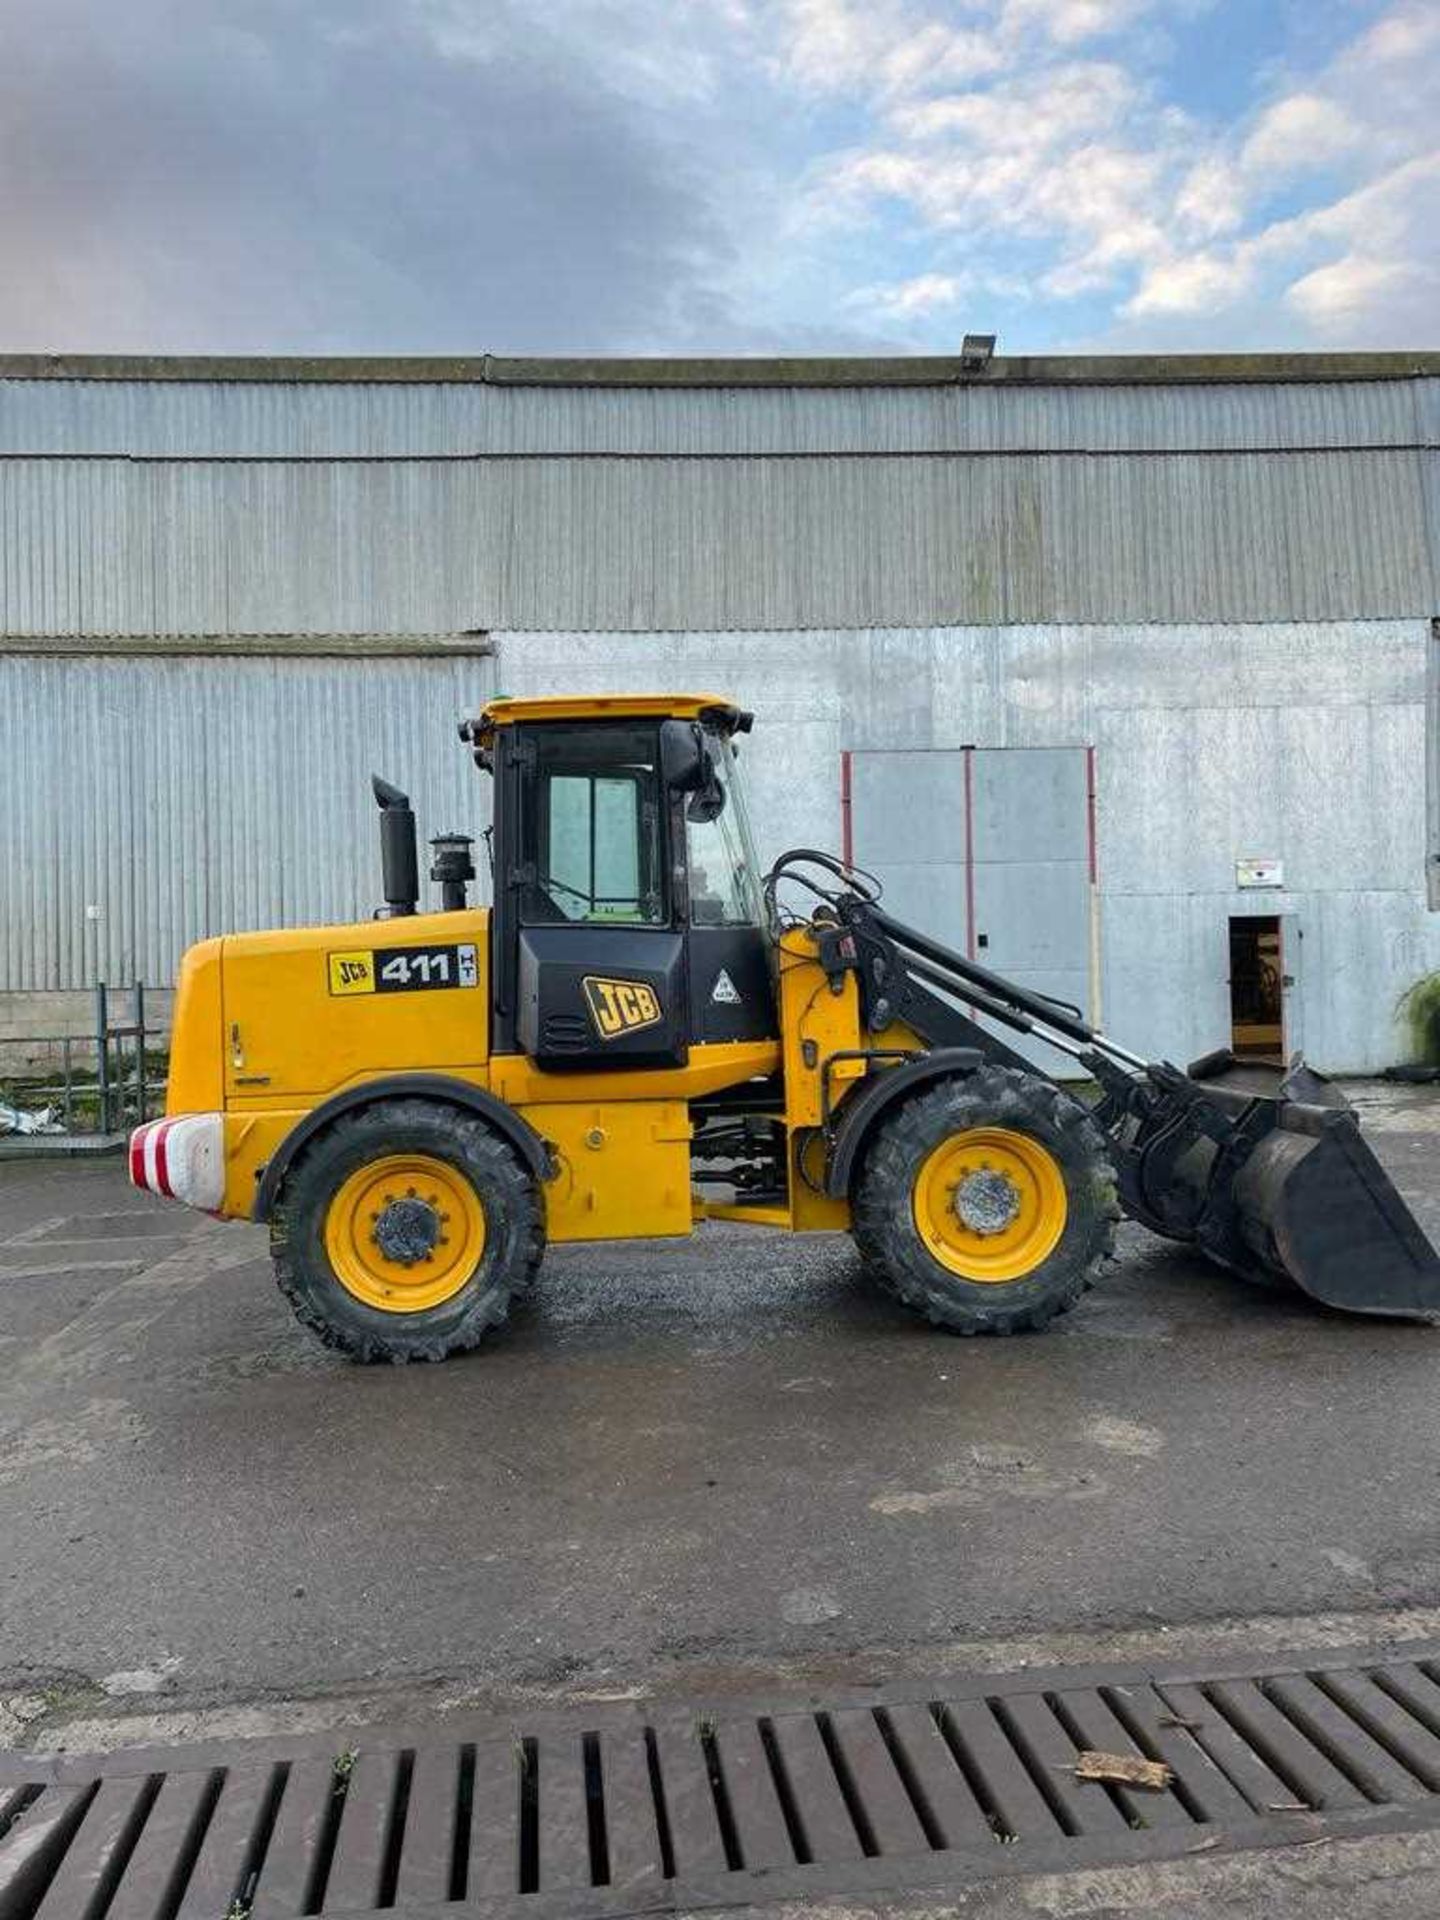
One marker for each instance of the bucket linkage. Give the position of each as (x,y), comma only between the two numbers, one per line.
(1262,1168)
(1265,1170)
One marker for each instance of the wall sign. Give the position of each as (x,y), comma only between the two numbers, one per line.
(1259,873)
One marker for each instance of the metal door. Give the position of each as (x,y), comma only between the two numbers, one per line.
(1292,936)
(992,850)
(905,814)
(1032,883)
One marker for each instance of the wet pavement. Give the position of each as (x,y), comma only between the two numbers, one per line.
(717,1459)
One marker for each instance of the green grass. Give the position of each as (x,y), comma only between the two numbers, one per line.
(1419,1008)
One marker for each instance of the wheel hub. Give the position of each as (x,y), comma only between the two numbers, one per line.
(407,1230)
(987,1202)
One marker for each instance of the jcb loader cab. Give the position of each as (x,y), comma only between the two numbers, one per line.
(645,1033)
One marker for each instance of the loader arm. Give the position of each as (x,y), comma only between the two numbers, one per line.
(1263,1169)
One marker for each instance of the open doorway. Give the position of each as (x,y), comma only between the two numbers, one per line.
(1257,988)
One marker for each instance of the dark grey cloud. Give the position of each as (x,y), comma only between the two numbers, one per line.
(357,175)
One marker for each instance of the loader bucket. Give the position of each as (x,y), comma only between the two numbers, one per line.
(1294,1194)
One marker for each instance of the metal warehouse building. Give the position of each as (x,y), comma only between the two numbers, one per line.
(1120,672)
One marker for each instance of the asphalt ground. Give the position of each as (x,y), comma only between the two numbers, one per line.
(682,1464)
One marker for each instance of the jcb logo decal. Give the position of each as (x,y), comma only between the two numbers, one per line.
(621,1006)
(352,972)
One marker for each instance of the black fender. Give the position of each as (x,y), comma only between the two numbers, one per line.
(857,1118)
(425,1086)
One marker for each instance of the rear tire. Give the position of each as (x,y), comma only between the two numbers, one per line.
(403,1230)
(986,1202)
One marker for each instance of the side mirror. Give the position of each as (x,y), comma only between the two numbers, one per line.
(707,803)
(684,764)
(687,763)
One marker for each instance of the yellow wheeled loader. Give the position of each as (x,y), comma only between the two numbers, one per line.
(644,1033)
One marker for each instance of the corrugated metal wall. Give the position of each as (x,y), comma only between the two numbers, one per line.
(170,419)
(1304,743)
(193,507)
(111,546)
(1223,587)
(184,796)
(150,802)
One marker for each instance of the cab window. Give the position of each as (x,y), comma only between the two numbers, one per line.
(592,843)
(724,883)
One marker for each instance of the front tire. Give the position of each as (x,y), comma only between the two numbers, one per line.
(986,1202)
(403,1231)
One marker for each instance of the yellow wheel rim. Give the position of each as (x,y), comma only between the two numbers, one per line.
(405,1233)
(990,1204)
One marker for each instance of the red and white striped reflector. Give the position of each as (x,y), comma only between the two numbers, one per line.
(182,1157)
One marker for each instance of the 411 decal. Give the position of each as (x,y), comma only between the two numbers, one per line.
(403,969)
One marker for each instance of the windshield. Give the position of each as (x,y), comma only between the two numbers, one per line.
(724,872)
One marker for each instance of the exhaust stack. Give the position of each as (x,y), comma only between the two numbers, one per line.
(399,860)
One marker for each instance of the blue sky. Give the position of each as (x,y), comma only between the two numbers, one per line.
(718,175)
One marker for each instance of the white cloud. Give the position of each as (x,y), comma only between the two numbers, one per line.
(1383,274)
(935,55)
(682,174)
(1395,213)
(1041,156)
(1405,33)
(1301,132)
(1125,192)
(1068,22)
(1199,283)
(881,46)
(1210,199)
(924,294)
(894,48)
(1031,112)
(1333,295)
(832,44)
(1122,246)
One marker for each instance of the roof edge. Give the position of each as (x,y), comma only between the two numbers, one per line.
(897,371)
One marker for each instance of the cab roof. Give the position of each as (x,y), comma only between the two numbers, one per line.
(503,711)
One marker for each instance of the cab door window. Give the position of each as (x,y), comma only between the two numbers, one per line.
(594,831)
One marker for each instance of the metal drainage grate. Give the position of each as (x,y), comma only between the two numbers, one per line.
(672,1807)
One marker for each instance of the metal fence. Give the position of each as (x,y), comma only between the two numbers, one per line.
(102,1082)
